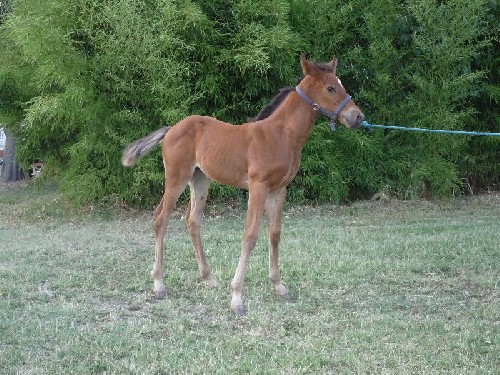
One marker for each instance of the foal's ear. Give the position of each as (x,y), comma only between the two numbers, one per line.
(333,64)
(308,67)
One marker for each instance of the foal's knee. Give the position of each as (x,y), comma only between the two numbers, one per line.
(193,225)
(274,237)
(160,224)
(250,241)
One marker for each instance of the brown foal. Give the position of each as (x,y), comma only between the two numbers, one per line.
(262,156)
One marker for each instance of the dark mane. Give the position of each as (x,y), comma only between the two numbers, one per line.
(273,104)
(282,94)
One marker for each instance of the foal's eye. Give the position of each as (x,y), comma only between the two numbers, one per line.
(330,89)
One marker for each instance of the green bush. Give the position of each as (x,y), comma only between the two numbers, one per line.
(80,79)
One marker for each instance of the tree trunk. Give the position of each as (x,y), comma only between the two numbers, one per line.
(10,169)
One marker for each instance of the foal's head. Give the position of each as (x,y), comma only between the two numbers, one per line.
(323,87)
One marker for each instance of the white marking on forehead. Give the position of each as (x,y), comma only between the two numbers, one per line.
(340,82)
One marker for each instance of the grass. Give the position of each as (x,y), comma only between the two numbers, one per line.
(383,288)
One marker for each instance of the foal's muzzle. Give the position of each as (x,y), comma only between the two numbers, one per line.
(352,117)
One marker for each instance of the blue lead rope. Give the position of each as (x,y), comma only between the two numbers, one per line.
(367,125)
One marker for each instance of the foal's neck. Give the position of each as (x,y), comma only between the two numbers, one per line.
(294,119)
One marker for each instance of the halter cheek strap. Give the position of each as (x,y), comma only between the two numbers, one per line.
(331,115)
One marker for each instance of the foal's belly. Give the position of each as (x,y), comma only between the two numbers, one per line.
(225,170)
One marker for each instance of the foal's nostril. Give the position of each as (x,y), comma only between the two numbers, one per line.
(360,117)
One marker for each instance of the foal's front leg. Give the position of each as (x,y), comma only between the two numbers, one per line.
(256,200)
(274,205)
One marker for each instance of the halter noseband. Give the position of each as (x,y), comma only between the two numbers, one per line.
(331,115)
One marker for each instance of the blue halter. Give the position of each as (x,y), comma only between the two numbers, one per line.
(331,115)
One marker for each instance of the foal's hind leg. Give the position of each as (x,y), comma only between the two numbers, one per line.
(199,190)
(163,211)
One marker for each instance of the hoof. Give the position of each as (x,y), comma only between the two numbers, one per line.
(211,283)
(282,292)
(160,294)
(159,289)
(237,305)
(286,296)
(238,310)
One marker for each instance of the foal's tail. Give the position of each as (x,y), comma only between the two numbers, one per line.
(141,147)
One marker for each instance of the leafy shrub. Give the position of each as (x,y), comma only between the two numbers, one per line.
(80,79)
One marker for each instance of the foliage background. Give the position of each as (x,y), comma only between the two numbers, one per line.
(80,79)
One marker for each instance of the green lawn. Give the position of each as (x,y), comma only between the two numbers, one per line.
(377,287)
